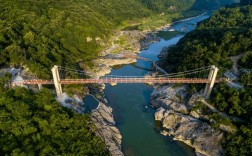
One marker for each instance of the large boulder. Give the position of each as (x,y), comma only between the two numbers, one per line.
(159,114)
(193,132)
(169,97)
(178,119)
(180,107)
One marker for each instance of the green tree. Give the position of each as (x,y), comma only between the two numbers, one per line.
(35,124)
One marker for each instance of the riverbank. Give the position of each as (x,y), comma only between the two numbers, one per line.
(106,129)
(180,116)
(103,119)
(102,116)
(127,42)
(109,59)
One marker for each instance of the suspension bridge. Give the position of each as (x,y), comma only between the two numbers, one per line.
(204,75)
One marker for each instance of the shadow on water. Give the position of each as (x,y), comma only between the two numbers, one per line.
(90,103)
(166,35)
(121,65)
(142,68)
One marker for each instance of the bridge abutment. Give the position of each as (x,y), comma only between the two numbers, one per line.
(211,77)
(56,80)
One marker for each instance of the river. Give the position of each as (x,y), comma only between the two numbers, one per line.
(131,107)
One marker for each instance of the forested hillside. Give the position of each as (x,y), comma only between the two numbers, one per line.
(226,34)
(35,124)
(41,33)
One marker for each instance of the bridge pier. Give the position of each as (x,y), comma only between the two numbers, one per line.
(56,80)
(40,86)
(211,77)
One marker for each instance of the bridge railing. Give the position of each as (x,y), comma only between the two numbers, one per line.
(119,80)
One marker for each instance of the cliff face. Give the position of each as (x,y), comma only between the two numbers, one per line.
(180,119)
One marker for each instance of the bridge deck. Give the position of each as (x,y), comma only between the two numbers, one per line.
(117,80)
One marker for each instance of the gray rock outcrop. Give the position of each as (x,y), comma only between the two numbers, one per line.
(103,65)
(103,119)
(159,114)
(193,132)
(135,40)
(179,120)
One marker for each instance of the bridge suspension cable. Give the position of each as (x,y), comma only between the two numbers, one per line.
(203,68)
(195,73)
(199,75)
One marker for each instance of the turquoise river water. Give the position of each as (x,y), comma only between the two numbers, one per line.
(131,106)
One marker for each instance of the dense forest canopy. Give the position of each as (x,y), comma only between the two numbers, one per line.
(225,34)
(41,33)
(35,124)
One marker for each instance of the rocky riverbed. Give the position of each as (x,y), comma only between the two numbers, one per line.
(104,65)
(180,118)
(134,41)
(103,119)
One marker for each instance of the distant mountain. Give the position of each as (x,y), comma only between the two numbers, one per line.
(246,2)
